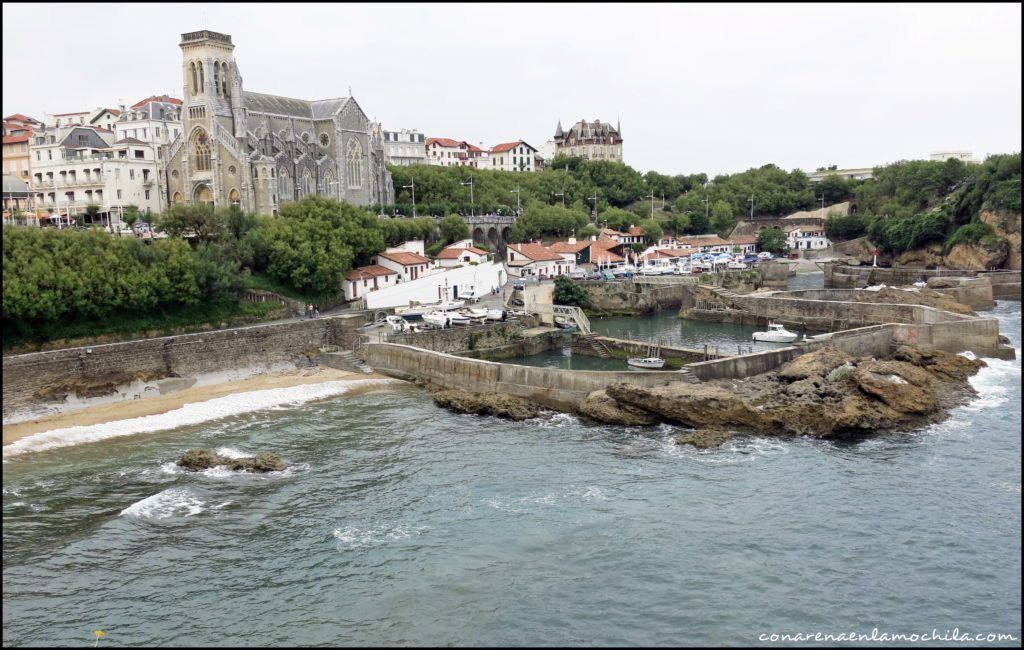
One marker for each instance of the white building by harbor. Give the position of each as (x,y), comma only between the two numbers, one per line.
(438,286)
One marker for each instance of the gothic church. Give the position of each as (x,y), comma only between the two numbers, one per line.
(258,151)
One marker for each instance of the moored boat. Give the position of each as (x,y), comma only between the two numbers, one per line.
(776,334)
(650,363)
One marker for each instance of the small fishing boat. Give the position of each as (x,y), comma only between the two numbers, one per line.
(495,314)
(776,334)
(476,313)
(652,361)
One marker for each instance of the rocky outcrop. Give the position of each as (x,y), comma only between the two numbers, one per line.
(1007,225)
(96,385)
(928,257)
(196,460)
(502,406)
(825,393)
(602,408)
(975,257)
(704,439)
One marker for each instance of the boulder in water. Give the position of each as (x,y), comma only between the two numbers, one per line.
(195,460)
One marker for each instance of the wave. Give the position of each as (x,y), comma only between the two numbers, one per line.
(222,471)
(194,413)
(360,537)
(170,502)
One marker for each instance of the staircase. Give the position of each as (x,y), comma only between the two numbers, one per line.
(596,345)
(349,358)
(687,375)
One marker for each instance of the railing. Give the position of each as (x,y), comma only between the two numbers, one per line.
(225,137)
(174,146)
(665,279)
(574,313)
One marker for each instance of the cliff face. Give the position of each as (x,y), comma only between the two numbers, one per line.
(1006,225)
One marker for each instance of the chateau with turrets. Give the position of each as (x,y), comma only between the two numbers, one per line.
(259,151)
(595,140)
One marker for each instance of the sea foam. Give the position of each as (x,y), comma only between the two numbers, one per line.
(194,413)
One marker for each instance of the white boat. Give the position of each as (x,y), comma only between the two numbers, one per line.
(654,363)
(495,314)
(416,311)
(450,305)
(397,323)
(737,266)
(650,270)
(475,312)
(438,319)
(776,334)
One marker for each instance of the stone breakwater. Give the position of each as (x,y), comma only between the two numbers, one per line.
(827,393)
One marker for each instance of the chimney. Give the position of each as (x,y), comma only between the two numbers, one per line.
(572,240)
(593,238)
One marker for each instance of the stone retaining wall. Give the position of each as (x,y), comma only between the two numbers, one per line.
(27,376)
(553,387)
(462,338)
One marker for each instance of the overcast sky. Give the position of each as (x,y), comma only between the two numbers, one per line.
(715,88)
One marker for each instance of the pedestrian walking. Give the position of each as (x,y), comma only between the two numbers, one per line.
(309,309)
(316,312)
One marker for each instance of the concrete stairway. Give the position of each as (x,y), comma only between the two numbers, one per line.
(687,375)
(345,360)
(591,341)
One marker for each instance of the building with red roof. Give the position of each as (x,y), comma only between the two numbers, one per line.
(452,256)
(453,153)
(537,260)
(361,281)
(518,156)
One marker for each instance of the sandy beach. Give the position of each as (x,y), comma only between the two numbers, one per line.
(113,411)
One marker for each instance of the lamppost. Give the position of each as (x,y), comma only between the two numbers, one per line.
(472,210)
(594,199)
(707,202)
(822,199)
(651,197)
(412,184)
(751,202)
(561,194)
(517,193)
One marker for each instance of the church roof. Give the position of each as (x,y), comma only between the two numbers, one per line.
(326,107)
(315,110)
(260,103)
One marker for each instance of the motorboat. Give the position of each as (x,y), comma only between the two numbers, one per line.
(456,318)
(451,305)
(737,266)
(496,314)
(650,270)
(649,363)
(414,311)
(475,312)
(652,361)
(776,334)
(397,323)
(438,319)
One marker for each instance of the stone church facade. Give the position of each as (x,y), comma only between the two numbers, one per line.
(259,151)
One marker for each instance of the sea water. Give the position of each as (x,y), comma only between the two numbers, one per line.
(398,522)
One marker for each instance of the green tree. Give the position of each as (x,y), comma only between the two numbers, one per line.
(652,231)
(773,240)
(453,228)
(834,188)
(722,220)
(587,232)
(130,215)
(617,218)
(568,292)
(199,219)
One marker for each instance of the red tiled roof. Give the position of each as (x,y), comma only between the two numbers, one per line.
(20,118)
(566,247)
(609,231)
(14,139)
(368,272)
(474,148)
(746,239)
(670,252)
(707,240)
(635,231)
(405,259)
(603,255)
(456,253)
(505,146)
(444,142)
(535,252)
(157,98)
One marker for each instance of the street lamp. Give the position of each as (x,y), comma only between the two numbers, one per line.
(472,211)
(822,199)
(412,184)
(561,194)
(594,199)
(751,202)
(707,201)
(517,193)
(651,197)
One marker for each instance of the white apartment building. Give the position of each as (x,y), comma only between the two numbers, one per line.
(77,166)
(807,238)
(537,260)
(155,121)
(104,118)
(515,156)
(453,153)
(405,147)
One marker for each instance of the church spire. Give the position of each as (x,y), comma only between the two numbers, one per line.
(618,126)
(558,130)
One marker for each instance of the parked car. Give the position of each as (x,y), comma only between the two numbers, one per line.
(518,285)
(765,255)
(578,275)
(749,259)
(596,275)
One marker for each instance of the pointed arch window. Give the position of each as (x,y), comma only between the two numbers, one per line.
(202,77)
(329,184)
(195,78)
(224,85)
(201,151)
(354,168)
(308,187)
(216,77)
